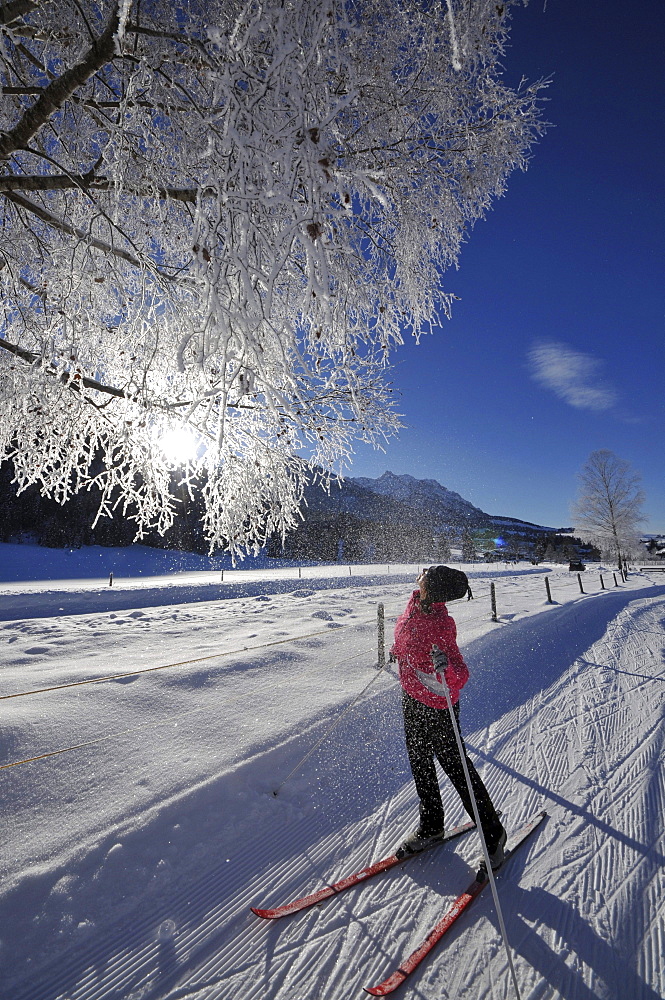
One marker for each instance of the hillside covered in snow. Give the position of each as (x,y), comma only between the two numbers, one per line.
(177,748)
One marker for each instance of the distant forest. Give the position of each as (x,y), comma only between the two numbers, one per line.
(345,537)
(332,537)
(69,525)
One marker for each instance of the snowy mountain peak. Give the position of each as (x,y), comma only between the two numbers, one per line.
(420,493)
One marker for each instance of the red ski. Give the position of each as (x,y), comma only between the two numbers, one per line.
(346,883)
(458,907)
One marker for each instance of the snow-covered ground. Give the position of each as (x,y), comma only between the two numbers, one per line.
(147,726)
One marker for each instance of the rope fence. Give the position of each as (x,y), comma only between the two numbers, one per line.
(491,594)
(163,722)
(380,666)
(180,663)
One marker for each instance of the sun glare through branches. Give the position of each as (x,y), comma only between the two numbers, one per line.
(179,446)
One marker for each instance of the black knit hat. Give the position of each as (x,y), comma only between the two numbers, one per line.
(445,584)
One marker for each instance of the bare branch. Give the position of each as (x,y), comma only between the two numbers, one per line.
(15,9)
(75,382)
(85,182)
(65,227)
(57,92)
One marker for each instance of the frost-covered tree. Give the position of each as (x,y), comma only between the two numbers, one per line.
(218,218)
(609,503)
(468,547)
(441,546)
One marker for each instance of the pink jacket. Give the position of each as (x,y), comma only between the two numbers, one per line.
(415,634)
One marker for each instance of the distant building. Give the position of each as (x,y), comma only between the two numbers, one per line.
(654,545)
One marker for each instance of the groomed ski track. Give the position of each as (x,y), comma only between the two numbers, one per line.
(564,712)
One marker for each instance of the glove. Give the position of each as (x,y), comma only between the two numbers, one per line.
(439,659)
(435,682)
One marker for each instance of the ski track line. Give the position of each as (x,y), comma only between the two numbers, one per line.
(331,918)
(598,736)
(359,938)
(332,921)
(558,716)
(595,737)
(286,958)
(607,746)
(643,896)
(222,899)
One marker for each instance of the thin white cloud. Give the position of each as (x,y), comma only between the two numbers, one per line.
(572,375)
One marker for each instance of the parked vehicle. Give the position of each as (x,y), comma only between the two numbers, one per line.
(576,566)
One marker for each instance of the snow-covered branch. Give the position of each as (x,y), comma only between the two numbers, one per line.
(225,215)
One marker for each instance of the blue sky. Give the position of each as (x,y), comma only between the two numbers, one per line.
(557,347)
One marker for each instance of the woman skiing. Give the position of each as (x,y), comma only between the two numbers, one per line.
(425,648)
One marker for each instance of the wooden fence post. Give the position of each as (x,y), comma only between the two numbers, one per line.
(493,595)
(579,580)
(602,582)
(549,592)
(381,630)
(111,579)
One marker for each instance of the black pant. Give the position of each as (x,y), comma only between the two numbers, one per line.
(429,734)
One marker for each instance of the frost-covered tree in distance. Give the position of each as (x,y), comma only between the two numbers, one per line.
(218,218)
(609,503)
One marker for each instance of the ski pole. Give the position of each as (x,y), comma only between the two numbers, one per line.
(476,816)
